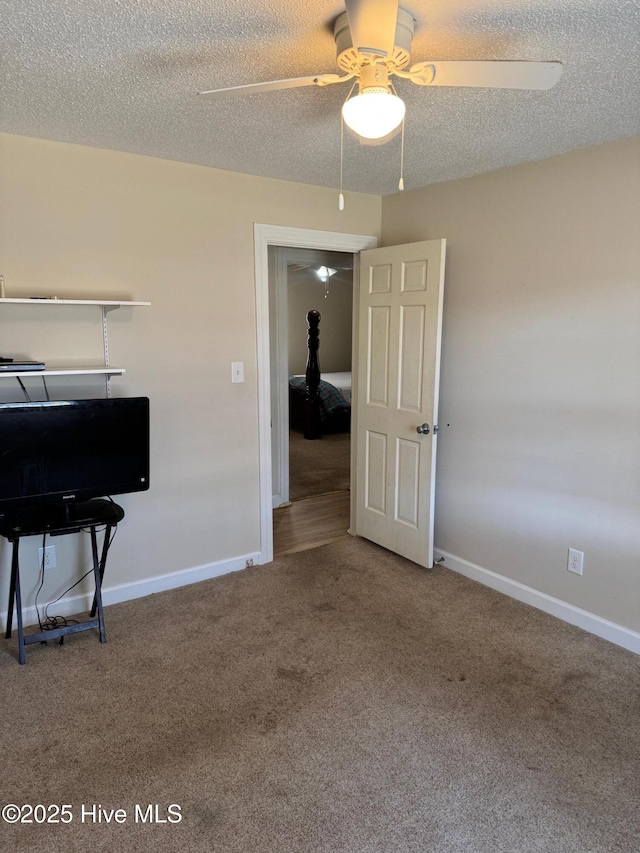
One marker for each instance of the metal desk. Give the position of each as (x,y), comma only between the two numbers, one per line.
(59,521)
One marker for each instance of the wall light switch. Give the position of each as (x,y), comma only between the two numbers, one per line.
(237,371)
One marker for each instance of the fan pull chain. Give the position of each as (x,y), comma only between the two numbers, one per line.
(341,194)
(401,181)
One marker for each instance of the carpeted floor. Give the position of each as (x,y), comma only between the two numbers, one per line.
(318,467)
(340,699)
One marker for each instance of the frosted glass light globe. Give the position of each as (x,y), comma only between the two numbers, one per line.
(374,113)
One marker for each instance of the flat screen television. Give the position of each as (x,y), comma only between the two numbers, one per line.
(66,452)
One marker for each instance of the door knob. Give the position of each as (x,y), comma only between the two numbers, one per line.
(424,429)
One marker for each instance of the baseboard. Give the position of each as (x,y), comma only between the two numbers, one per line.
(610,631)
(278,503)
(618,634)
(71,605)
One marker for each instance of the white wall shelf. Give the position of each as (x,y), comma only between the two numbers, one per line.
(62,371)
(105,305)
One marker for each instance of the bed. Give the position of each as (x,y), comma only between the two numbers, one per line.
(334,402)
(318,403)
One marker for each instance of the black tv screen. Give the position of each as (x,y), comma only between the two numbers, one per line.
(63,452)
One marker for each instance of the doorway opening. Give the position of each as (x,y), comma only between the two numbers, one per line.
(310,523)
(396,355)
(318,472)
(273,358)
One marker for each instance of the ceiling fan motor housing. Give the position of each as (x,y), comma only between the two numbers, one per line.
(374,78)
(349,59)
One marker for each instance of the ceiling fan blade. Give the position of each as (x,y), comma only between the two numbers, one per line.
(498,74)
(373,25)
(271,86)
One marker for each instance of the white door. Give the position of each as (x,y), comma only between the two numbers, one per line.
(400,321)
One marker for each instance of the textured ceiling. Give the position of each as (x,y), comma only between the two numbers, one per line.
(123,74)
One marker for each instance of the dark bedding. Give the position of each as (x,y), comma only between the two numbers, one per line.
(335,411)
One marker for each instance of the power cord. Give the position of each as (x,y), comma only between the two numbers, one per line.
(24,390)
(49,623)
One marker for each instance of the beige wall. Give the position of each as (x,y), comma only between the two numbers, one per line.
(539,448)
(541,353)
(336,316)
(81,221)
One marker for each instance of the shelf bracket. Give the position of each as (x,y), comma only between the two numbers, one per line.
(105,344)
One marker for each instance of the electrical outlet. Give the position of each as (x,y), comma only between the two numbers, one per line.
(575,561)
(49,557)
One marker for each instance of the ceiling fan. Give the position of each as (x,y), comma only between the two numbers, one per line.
(373,42)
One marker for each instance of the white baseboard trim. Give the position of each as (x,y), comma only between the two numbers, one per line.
(278,503)
(71,605)
(610,631)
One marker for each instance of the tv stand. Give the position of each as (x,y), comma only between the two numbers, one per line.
(59,521)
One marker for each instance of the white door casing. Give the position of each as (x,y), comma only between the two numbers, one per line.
(399,334)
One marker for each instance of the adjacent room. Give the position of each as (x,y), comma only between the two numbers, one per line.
(455,664)
(311,458)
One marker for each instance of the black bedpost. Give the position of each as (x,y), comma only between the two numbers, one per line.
(312,402)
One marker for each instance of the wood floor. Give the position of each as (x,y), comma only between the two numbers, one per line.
(310,523)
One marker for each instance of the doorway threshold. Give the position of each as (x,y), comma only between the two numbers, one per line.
(310,523)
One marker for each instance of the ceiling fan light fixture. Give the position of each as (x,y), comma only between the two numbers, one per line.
(325,273)
(374,113)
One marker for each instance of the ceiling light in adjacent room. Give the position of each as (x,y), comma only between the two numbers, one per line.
(324,274)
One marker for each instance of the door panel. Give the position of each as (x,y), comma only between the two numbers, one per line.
(410,378)
(378,356)
(400,325)
(407,482)
(376,472)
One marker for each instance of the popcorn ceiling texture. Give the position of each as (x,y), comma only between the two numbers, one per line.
(124,75)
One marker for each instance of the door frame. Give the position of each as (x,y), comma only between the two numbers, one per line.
(300,238)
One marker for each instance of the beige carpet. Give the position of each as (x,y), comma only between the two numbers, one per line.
(320,466)
(336,701)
